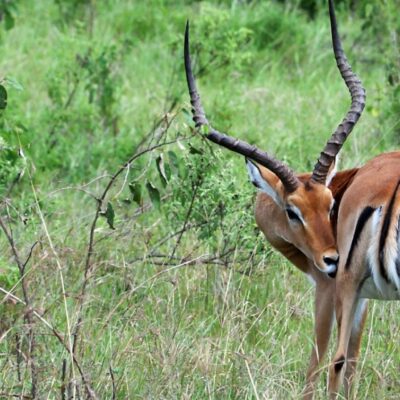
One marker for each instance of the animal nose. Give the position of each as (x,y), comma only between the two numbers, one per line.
(332,260)
(332,264)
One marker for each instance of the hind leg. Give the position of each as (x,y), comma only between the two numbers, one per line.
(346,306)
(324,314)
(353,350)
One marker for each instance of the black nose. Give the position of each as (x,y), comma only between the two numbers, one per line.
(331,260)
(332,274)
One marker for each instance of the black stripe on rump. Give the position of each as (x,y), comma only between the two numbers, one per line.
(362,220)
(397,241)
(384,232)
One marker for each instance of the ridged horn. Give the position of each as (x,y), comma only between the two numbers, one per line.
(357,93)
(285,174)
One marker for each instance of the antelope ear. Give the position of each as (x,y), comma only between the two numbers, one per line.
(332,171)
(266,181)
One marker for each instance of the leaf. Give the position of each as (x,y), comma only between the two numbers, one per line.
(154,194)
(168,172)
(136,190)
(173,158)
(3,97)
(165,173)
(12,82)
(9,20)
(368,10)
(109,214)
(194,150)
(204,130)
(188,116)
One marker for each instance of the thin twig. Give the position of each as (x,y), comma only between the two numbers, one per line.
(29,255)
(27,314)
(4,395)
(89,390)
(188,214)
(114,387)
(90,252)
(19,357)
(63,376)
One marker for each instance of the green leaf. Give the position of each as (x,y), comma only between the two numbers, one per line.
(194,150)
(9,20)
(205,130)
(174,160)
(109,214)
(368,10)
(188,116)
(136,190)
(3,97)
(165,173)
(175,164)
(12,82)
(154,194)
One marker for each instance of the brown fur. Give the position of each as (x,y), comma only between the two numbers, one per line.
(273,222)
(372,186)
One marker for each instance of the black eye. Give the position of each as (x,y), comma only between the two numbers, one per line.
(292,215)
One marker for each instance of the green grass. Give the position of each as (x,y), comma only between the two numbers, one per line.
(166,323)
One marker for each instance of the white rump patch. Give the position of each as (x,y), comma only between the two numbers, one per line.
(377,287)
(391,252)
(373,251)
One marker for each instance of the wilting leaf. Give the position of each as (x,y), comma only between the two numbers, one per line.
(3,97)
(136,190)
(163,170)
(109,214)
(154,194)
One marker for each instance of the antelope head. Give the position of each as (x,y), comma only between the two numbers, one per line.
(305,203)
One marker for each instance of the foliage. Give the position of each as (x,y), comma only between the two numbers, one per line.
(136,236)
(8,9)
(386,38)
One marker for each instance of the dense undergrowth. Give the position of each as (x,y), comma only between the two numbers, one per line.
(130,263)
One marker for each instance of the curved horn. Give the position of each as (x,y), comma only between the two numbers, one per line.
(285,174)
(357,93)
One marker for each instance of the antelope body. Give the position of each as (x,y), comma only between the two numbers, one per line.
(368,238)
(273,222)
(299,213)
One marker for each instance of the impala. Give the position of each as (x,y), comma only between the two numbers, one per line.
(368,238)
(298,213)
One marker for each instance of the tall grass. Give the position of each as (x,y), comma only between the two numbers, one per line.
(184,298)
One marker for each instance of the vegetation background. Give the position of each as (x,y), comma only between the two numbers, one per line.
(130,263)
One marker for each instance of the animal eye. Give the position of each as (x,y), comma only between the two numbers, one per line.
(292,215)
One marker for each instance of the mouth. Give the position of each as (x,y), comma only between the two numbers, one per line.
(330,270)
(332,274)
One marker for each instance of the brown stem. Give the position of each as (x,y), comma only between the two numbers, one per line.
(100,202)
(188,214)
(27,314)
